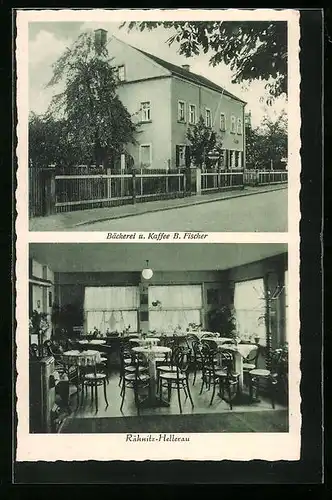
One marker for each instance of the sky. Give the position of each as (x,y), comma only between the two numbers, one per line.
(48,40)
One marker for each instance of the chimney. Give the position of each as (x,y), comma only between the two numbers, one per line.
(186,67)
(100,40)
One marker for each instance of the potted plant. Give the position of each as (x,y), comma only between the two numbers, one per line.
(38,325)
(222,320)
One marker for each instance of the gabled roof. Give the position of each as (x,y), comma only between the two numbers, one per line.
(188,75)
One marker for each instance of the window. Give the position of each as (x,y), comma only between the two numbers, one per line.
(179,305)
(145,155)
(233,124)
(181,152)
(239,161)
(111,308)
(121,73)
(223,159)
(146,111)
(181,111)
(192,114)
(239,126)
(222,122)
(232,159)
(249,305)
(208,118)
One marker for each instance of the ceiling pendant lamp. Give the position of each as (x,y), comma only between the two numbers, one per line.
(147,273)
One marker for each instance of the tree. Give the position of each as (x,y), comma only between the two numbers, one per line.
(252,49)
(95,119)
(202,140)
(267,144)
(47,142)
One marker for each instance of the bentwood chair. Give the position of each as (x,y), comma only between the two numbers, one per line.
(272,378)
(179,378)
(223,375)
(134,377)
(128,364)
(93,379)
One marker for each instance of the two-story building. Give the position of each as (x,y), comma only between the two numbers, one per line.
(165,99)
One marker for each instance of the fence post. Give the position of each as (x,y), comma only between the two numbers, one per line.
(122,170)
(198,178)
(133,173)
(109,184)
(49,190)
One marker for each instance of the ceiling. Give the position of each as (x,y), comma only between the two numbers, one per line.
(97,257)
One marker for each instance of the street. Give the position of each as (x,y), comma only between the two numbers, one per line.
(265,212)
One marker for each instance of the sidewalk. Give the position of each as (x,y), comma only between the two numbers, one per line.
(66,221)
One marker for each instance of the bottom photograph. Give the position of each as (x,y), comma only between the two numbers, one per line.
(158,338)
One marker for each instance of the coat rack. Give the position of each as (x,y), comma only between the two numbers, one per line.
(269,297)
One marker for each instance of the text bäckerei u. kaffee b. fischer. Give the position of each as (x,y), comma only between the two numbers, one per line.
(157,236)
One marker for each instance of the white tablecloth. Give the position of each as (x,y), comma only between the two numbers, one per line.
(147,341)
(241,351)
(84,358)
(152,353)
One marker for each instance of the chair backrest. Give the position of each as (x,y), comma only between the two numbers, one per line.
(252,356)
(182,358)
(190,339)
(34,351)
(212,343)
(208,353)
(197,349)
(227,361)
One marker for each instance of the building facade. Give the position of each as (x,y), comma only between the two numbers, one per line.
(164,100)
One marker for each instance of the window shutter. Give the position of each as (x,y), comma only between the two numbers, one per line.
(177,156)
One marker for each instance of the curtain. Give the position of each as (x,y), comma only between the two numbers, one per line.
(249,305)
(176,296)
(113,321)
(169,321)
(111,308)
(111,298)
(178,305)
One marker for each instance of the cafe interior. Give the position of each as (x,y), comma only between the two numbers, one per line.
(137,337)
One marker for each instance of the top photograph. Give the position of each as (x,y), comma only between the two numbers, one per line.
(168,125)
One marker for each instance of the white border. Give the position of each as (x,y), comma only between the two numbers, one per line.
(33,447)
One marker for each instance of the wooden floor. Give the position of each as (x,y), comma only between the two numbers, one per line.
(201,403)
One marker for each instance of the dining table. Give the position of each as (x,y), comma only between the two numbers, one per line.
(152,353)
(145,341)
(80,359)
(241,351)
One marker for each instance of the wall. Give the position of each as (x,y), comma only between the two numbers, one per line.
(272,271)
(202,97)
(69,287)
(137,66)
(158,131)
